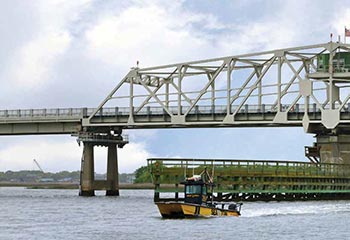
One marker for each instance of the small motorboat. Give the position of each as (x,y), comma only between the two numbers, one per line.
(198,202)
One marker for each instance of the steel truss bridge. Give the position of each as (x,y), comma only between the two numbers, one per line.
(304,86)
(284,87)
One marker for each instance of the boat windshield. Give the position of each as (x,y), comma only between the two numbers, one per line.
(204,190)
(193,189)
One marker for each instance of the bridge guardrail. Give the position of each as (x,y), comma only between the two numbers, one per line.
(152,110)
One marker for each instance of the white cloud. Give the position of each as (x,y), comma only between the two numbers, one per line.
(56,15)
(130,157)
(32,64)
(34,61)
(156,34)
(133,156)
(150,33)
(340,21)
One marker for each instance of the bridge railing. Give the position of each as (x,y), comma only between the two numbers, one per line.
(154,110)
(52,112)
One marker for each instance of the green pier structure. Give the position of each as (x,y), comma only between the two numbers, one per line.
(253,180)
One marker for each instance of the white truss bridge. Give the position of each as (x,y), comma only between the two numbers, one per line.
(302,86)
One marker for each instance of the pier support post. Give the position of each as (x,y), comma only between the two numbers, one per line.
(112,171)
(87,171)
(156,188)
(112,141)
(334,148)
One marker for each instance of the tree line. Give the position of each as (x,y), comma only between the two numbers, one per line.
(141,175)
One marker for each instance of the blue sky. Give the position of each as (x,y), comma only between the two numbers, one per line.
(63,53)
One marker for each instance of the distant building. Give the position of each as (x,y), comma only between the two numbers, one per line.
(69,179)
(99,176)
(46,180)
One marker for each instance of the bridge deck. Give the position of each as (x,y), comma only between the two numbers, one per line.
(70,120)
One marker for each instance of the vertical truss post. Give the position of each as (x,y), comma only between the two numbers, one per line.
(179,89)
(306,65)
(228,90)
(307,101)
(258,73)
(331,84)
(167,94)
(279,82)
(131,100)
(213,95)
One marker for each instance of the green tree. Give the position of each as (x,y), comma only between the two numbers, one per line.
(142,175)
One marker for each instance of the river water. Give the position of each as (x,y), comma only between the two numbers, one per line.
(61,214)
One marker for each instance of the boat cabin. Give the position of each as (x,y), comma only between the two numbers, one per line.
(195,190)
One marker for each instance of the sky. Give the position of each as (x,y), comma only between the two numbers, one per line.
(63,53)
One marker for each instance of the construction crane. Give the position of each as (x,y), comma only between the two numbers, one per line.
(37,164)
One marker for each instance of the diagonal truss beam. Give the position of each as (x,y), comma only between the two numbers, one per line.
(110,95)
(145,102)
(254,86)
(250,77)
(289,84)
(182,93)
(204,90)
(156,98)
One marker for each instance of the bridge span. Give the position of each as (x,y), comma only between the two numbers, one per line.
(304,86)
(73,120)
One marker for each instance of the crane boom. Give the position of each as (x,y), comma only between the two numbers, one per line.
(37,164)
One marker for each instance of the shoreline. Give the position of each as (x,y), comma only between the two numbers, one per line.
(55,185)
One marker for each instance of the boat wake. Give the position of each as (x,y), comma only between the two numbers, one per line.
(299,208)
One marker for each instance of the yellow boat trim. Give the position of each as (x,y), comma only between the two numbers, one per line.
(179,209)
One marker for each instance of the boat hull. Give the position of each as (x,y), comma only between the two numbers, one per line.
(183,210)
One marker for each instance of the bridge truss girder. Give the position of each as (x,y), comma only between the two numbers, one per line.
(281,82)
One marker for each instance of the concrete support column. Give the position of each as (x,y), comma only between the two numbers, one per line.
(334,149)
(87,171)
(112,171)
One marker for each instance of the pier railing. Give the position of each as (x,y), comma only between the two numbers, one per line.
(264,180)
(187,167)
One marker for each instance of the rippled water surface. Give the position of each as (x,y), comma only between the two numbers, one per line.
(61,214)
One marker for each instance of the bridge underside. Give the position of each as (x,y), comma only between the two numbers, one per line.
(13,128)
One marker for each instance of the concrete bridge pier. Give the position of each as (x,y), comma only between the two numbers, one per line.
(87,171)
(334,148)
(112,171)
(88,184)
